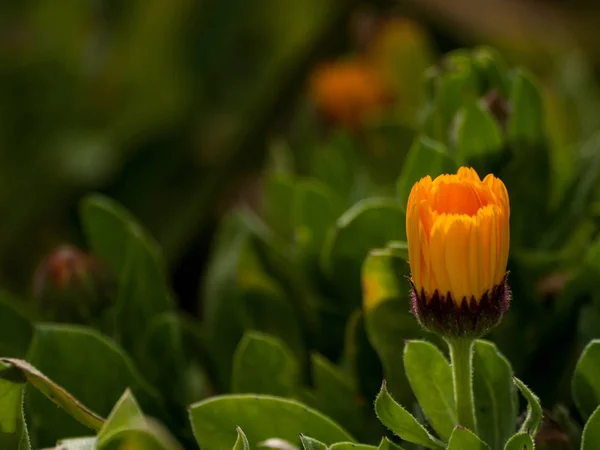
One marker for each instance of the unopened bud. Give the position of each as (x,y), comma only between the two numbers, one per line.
(72,286)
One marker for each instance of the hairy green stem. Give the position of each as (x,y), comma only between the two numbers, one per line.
(461,357)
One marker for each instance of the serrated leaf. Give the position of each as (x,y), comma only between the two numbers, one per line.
(494,394)
(386,444)
(264,365)
(142,433)
(261,417)
(585,384)
(309,443)
(533,419)
(425,157)
(465,439)
(241,443)
(56,394)
(351,446)
(520,441)
(591,432)
(124,411)
(430,378)
(402,423)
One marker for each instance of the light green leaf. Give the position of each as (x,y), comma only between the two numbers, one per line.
(425,157)
(520,441)
(56,351)
(402,423)
(495,394)
(241,443)
(261,417)
(263,364)
(533,420)
(13,429)
(585,384)
(591,432)
(309,443)
(464,439)
(430,378)
(120,417)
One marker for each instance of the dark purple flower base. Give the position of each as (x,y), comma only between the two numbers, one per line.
(471,320)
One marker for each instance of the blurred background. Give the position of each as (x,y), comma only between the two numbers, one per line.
(171,107)
(176,109)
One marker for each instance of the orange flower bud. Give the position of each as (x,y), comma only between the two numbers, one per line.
(458,235)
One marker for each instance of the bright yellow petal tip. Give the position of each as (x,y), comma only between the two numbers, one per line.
(458,234)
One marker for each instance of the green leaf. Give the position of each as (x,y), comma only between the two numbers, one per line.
(371,223)
(464,439)
(386,444)
(120,417)
(430,378)
(56,394)
(351,446)
(57,351)
(585,384)
(526,120)
(334,163)
(135,258)
(13,429)
(476,134)
(309,443)
(277,204)
(141,433)
(492,70)
(143,292)
(264,365)
(380,280)
(85,443)
(16,331)
(335,395)
(425,157)
(591,432)
(108,227)
(315,210)
(241,443)
(402,423)
(533,420)
(520,441)
(261,417)
(495,395)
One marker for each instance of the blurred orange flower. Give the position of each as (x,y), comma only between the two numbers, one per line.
(348,92)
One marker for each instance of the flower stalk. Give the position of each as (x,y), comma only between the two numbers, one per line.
(461,358)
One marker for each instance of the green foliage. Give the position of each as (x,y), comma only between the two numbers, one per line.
(261,417)
(304,306)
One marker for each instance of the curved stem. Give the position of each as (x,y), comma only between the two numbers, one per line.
(461,357)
